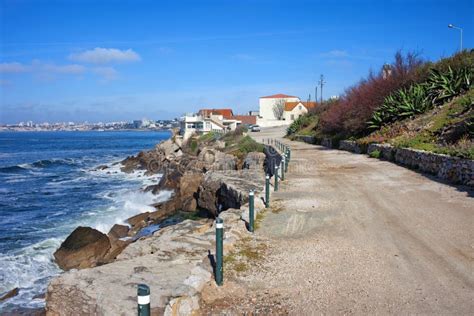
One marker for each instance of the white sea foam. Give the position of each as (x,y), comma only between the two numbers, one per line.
(31,268)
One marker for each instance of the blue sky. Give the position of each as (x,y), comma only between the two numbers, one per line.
(124,60)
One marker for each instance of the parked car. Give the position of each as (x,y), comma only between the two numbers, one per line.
(255,128)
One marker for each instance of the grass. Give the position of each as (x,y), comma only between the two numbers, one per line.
(247,252)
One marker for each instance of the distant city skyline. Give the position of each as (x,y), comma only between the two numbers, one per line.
(120,60)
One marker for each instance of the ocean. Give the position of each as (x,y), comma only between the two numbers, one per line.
(49,185)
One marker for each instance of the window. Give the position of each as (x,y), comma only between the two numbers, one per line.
(300,107)
(292,117)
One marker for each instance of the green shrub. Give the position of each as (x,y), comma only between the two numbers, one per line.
(418,98)
(375,154)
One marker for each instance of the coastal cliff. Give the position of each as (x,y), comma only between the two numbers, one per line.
(208,176)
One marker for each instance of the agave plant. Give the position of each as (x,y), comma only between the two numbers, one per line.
(418,98)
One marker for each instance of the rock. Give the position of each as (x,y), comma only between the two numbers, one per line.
(137,219)
(182,306)
(10,294)
(254,160)
(118,231)
(221,190)
(188,190)
(164,210)
(85,247)
(217,160)
(138,222)
(169,180)
(166,261)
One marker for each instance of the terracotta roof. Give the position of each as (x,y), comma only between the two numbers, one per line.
(289,106)
(246,119)
(278,96)
(226,113)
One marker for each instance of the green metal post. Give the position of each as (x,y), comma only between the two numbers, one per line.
(276,178)
(287,162)
(251,211)
(267,191)
(289,153)
(143,297)
(219,251)
(283,169)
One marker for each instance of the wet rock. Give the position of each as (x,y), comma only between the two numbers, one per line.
(10,294)
(118,231)
(85,247)
(138,222)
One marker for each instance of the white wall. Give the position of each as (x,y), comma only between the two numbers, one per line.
(266,106)
(296,112)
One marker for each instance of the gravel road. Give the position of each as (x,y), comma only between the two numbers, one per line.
(357,235)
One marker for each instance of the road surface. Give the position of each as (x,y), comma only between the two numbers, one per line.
(357,235)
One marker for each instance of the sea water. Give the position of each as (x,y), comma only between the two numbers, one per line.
(49,185)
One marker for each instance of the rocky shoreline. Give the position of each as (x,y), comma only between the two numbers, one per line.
(102,270)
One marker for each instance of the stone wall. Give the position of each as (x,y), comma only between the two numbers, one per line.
(352,146)
(306,139)
(452,169)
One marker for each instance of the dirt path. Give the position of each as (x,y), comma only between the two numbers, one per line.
(357,235)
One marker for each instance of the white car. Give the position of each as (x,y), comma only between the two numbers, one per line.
(255,128)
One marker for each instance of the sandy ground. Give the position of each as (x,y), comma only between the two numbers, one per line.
(355,235)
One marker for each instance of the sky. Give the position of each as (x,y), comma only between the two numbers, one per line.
(125,60)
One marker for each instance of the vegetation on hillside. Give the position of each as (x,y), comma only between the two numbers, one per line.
(236,143)
(418,105)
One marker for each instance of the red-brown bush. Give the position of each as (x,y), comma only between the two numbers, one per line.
(349,115)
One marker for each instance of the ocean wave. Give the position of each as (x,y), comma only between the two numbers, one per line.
(28,269)
(44,163)
(13,169)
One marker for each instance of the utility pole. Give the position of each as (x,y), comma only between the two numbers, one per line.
(316,93)
(321,83)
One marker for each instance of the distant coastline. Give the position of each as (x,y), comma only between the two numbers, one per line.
(88,130)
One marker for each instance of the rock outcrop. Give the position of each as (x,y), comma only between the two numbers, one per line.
(174,262)
(84,248)
(221,190)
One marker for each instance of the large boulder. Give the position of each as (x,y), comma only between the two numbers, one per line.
(188,190)
(221,190)
(214,159)
(85,247)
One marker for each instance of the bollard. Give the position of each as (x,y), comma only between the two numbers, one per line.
(287,162)
(276,178)
(219,251)
(267,191)
(143,297)
(283,169)
(251,211)
(289,153)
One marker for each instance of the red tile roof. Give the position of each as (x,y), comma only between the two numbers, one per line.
(246,119)
(278,96)
(289,106)
(226,113)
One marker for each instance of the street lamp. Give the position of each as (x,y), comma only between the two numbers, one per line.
(458,28)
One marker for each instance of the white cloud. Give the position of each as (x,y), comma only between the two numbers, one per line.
(13,67)
(107,73)
(72,69)
(100,55)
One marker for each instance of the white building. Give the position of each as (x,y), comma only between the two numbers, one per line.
(293,110)
(218,121)
(267,107)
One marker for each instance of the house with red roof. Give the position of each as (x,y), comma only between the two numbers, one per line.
(272,109)
(293,110)
(208,120)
